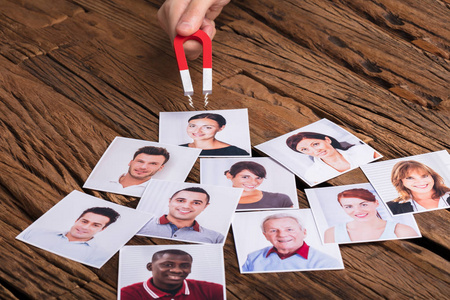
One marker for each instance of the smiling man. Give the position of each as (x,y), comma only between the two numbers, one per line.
(184,206)
(146,162)
(170,268)
(77,243)
(289,251)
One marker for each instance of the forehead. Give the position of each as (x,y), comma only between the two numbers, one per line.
(352,200)
(168,257)
(204,121)
(189,195)
(246,172)
(281,223)
(307,141)
(95,218)
(416,171)
(149,158)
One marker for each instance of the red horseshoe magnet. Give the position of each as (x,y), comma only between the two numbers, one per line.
(204,39)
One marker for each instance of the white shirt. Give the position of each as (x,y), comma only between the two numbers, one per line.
(357,155)
(115,186)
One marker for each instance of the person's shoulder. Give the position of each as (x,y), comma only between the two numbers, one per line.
(131,291)
(403,230)
(232,150)
(322,259)
(259,252)
(216,237)
(203,283)
(283,200)
(211,290)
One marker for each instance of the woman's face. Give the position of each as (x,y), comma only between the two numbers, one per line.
(359,209)
(418,181)
(203,129)
(246,180)
(316,147)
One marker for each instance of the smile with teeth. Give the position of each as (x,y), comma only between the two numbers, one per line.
(284,240)
(423,186)
(361,215)
(184,211)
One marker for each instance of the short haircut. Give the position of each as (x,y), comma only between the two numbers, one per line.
(104,211)
(159,254)
(193,189)
(402,169)
(252,166)
(281,216)
(293,140)
(216,117)
(150,150)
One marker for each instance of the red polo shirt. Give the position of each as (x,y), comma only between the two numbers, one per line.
(191,290)
(302,251)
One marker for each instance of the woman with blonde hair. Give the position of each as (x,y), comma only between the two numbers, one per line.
(419,187)
(361,205)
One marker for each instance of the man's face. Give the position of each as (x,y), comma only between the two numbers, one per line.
(170,270)
(186,205)
(285,234)
(87,226)
(144,166)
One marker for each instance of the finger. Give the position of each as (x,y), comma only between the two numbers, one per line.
(195,13)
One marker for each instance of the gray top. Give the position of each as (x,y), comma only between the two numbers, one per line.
(195,233)
(269,200)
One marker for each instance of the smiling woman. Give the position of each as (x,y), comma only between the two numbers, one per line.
(202,129)
(361,205)
(249,175)
(330,157)
(420,188)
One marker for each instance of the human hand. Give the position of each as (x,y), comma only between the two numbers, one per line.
(185,17)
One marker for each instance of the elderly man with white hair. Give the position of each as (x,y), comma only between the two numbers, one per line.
(288,251)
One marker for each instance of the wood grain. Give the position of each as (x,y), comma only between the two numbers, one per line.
(75,74)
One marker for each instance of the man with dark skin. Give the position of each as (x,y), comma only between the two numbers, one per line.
(170,269)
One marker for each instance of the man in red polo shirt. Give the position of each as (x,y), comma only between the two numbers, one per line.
(169,271)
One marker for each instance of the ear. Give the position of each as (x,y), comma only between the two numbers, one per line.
(327,139)
(229,176)
(149,266)
(129,164)
(221,128)
(160,168)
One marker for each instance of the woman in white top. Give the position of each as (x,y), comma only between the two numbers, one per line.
(331,158)
(419,187)
(361,205)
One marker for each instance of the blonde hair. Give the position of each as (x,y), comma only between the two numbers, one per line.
(402,170)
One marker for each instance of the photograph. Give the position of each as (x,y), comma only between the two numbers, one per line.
(266,183)
(412,184)
(128,164)
(282,241)
(355,213)
(84,228)
(221,133)
(188,212)
(171,271)
(319,151)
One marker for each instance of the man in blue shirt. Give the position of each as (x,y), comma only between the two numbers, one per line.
(184,206)
(289,251)
(77,243)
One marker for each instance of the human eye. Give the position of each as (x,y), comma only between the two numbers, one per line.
(191,125)
(364,204)
(315,144)
(208,127)
(197,202)
(347,206)
(303,149)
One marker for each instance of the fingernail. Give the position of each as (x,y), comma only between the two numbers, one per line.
(184,26)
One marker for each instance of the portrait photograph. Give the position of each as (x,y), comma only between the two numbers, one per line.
(266,183)
(84,228)
(189,212)
(282,241)
(355,213)
(319,151)
(223,133)
(412,184)
(128,164)
(198,272)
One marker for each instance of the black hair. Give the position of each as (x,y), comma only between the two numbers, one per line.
(216,117)
(194,189)
(104,211)
(150,150)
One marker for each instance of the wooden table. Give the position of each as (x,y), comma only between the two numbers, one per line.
(76,73)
